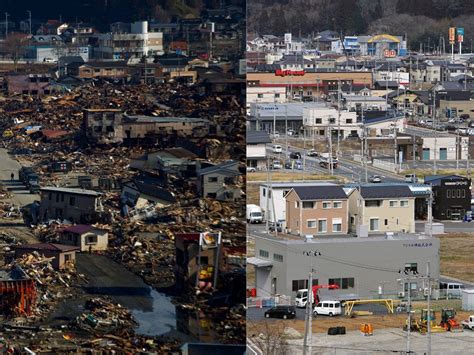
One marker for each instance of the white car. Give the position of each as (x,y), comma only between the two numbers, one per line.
(277,148)
(251,169)
(275,134)
(328,308)
(276,165)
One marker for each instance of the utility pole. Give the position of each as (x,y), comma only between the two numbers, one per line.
(338,116)
(429,303)
(267,211)
(29,17)
(409,317)
(365,146)
(435,169)
(308,331)
(330,150)
(458,149)
(274,116)
(286,127)
(395,145)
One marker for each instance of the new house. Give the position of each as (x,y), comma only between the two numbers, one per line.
(314,210)
(382,209)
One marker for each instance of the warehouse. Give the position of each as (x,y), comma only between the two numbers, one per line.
(368,267)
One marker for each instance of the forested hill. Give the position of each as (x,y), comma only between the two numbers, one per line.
(419,19)
(103,12)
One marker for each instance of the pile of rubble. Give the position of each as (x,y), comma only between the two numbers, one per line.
(51,285)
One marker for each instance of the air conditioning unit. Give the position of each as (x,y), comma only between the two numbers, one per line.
(401,294)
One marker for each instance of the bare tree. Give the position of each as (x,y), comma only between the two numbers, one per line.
(268,337)
(14,47)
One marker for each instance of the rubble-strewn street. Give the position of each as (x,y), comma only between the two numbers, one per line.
(122,194)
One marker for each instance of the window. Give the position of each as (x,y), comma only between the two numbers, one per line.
(332,120)
(278,257)
(326,205)
(67,257)
(349,120)
(319,121)
(72,201)
(459,193)
(277,96)
(386,222)
(404,203)
(301,284)
(204,260)
(374,224)
(413,267)
(311,223)
(308,204)
(322,226)
(393,203)
(260,96)
(91,239)
(343,283)
(373,203)
(337,204)
(212,179)
(337,225)
(263,253)
(463,193)
(352,220)
(448,193)
(264,192)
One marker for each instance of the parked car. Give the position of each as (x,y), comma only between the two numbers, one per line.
(468,323)
(277,148)
(288,164)
(285,312)
(295,155)
(275,134)
(291,132)
(411,178)
(276,165)
(312,153)
(464,116)
(375,179)
(251,169)
(328,308)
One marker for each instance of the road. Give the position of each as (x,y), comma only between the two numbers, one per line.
(353,171)
(9,165)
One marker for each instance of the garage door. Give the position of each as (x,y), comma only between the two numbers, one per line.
(426,153)
(443,153)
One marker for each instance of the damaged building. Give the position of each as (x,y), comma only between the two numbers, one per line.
(17,292)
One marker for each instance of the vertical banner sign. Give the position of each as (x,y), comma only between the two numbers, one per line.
(452,35)
(287,38)
(460,33)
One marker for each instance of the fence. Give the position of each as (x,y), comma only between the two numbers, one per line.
(260,302)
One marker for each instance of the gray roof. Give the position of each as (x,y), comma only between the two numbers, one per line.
(329,192)
(225,168)
(258,137)
(369,192)
(74,191)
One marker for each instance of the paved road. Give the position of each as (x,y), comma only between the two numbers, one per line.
(353,171)
(387,341)
(451,226)
(8,165)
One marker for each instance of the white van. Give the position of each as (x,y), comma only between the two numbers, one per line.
(277,148)
(452,289)
(328,308)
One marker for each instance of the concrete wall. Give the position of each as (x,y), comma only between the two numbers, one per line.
(297,217)
(372,262)
(256,151)
(277,199)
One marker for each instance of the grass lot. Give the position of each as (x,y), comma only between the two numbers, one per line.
(456,255)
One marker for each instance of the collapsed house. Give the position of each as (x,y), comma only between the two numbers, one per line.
(17,292)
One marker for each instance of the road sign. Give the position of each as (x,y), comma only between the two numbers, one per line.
(452,34)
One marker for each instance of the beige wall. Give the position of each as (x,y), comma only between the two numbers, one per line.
(271,78)
(102,241)
(398,218)
(297,217)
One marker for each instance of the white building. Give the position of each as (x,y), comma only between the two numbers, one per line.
(319,119)
(276,198)
(134,44)
(445,147)
(258,94)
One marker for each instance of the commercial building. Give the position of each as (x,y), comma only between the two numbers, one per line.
(451,196)
(318,120)
(368,267)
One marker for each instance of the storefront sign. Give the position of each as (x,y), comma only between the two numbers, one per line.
(280,72)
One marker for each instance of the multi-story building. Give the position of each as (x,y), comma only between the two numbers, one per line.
(381,209)
(129,41)
(314,210)
(319,120)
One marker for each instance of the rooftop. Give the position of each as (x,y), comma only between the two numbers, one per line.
(320,192)
(74,191)
(47,246)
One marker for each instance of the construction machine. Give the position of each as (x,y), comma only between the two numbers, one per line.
(448,320)
(435,328)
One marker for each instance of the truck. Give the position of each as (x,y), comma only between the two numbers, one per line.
(254,214)
(60,167)
(468,323)
(29,178)
(324,161)
(301,298)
